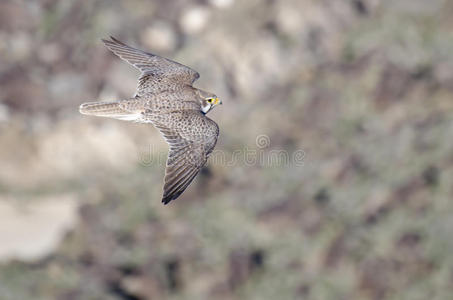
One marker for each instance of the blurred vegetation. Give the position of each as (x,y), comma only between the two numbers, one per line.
(363,87)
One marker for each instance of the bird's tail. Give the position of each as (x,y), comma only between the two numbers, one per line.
(114,109)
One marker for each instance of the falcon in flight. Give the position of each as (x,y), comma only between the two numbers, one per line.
(166,98)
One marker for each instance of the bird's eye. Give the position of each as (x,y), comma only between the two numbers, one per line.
(210,100)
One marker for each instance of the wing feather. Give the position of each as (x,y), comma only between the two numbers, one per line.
(190,147)
(157,72)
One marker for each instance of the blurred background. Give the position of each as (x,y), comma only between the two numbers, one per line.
(332,176)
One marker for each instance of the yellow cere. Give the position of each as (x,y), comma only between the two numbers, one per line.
(216,101)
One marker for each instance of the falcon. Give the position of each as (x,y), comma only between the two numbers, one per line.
(166,98)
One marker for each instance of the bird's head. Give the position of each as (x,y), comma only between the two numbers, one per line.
(208,101)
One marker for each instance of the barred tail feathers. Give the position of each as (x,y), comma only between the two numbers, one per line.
(109,109)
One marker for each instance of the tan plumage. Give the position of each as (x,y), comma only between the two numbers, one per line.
(166,98)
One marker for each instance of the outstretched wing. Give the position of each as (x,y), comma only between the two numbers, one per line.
(157,72)
(192,137)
